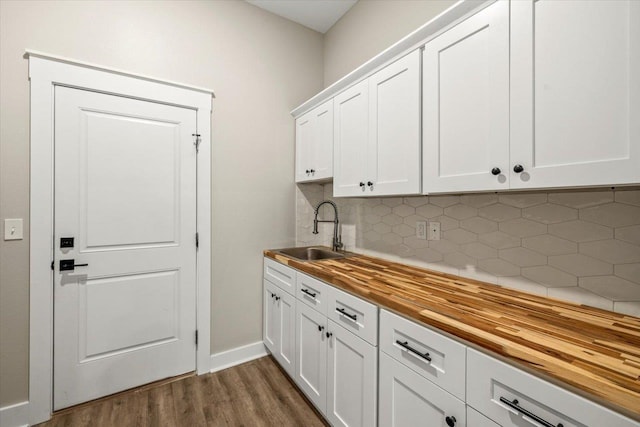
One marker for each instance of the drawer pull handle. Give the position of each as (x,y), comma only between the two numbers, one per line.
(407,347)
(514,404)
(306,291)
(353,317)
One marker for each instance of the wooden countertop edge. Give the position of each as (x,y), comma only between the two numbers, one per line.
(599,387)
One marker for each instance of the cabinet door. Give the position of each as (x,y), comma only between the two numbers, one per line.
(575,93)
(304,146)
(311,355)
(322,155)
(350,140)
(407,399)
(271,322)
(393,161)
(466,105)
(286,342)
(351,377)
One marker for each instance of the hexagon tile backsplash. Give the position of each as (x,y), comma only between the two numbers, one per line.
(581,246)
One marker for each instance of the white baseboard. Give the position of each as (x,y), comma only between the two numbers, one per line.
(16,415)
(236,356)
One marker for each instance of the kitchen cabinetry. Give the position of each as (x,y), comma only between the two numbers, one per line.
(279,325)
(512,397)
(314,144)
(377,133)
(545,94)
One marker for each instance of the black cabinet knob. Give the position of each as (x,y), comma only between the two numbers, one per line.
(518,168)
(495,171)
(312,170)
(307,171)
(370,184)
(329,334)
(451,421)
(277,298)
(362,184)
(320,328)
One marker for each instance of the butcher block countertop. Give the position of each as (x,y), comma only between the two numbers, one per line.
(597,352)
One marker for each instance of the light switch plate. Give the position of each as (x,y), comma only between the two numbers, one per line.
(13,229)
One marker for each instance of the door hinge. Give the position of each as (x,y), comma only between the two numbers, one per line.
(197,141)
(196,337)
(197,240)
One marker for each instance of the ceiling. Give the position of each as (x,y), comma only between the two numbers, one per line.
(319,15)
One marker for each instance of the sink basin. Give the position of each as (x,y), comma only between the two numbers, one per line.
(310,253)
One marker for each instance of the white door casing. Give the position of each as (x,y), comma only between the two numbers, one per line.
(125,190)
(46,72)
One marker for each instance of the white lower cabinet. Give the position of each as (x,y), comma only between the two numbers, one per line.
(476,419)
(408,399)
(279,325)
(512,397)
(311,355)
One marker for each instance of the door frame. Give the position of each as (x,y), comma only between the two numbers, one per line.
(45,72)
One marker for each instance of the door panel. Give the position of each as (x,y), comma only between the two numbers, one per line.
(311,355)
(394,128)
(466,104)
(304,142)
(323,143)
(125,190)
(575,93)
(287,332)
(271,326)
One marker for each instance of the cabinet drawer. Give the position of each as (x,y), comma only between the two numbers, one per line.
(407,399)
(434,356)
(312,292)
(281,275)
(512,397)
(354,314)
(476,419)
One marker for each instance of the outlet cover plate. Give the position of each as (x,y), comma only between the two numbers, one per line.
(13,229)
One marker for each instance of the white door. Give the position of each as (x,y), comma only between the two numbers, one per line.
(393,163)
(466,105)
(125,191)
(351,141)
(311,355)
(575,93)
(351,379)
(286,343)
(271,322)
(304,142)
(323,142)
(408,400)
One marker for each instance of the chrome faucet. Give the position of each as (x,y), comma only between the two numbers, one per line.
(337,239)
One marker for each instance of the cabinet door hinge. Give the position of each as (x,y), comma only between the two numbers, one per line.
(197,240)
(197,140)
(196,337)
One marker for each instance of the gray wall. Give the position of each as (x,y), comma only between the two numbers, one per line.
(245,55)
(371,26)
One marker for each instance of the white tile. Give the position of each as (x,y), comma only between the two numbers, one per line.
(499,267)
(404,230)
(427,255)
(372,219)
(499,240)
(629,234)
(548,244)
(392,238)
(459,260)
(581,231)
(471,272)
(613,251)
(416,201)
(392,219)
(612,214)
(581,199)
(522,227)
(499,212)
(611,287)
(410,220)
(549,276)
(479,225)
(630,197)
(460,211)
(444,201)
(404,210)
(522,284)
(580,265)
(632,308)
(578,295)
(523,200)
(522,257)
(460,236)
(392,201)
(429,211)
(446,223)
(479,200)
(443,246)
(550,214)
(381,210)
(372,236)
(382,228)
(415,243)
(479,250)
(628,271)
(403,251)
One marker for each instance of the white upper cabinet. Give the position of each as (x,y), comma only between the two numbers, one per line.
(466,105)
(377,133)
(314,144)
(575,93)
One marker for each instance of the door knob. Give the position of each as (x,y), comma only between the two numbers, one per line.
(518,168)
(70,265)
(495,171)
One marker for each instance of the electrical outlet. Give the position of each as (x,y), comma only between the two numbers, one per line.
(13,229)
(434,231)
(421,230)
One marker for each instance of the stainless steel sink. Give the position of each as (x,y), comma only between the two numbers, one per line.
(310,253)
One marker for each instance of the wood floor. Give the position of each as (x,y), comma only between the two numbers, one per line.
(256,393)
